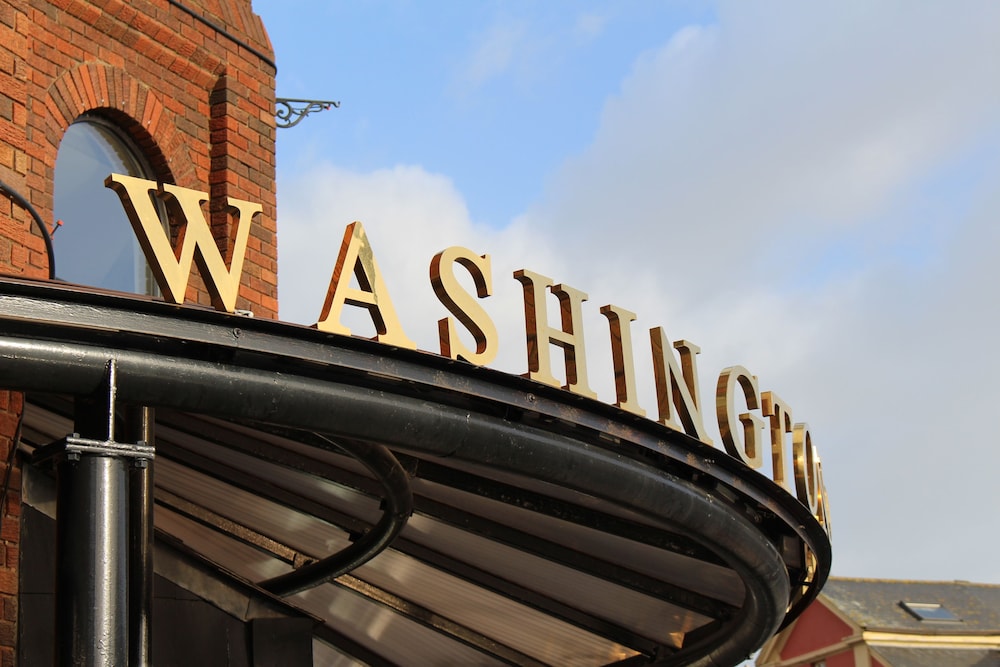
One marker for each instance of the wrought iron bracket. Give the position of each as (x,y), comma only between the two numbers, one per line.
(290,112)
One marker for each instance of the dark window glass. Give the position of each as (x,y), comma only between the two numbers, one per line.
(95,244)
(929,611)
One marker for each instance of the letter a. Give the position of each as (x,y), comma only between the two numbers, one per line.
(195,243)
(356,255)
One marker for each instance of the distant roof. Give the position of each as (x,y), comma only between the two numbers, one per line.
(875,604)
(936,657)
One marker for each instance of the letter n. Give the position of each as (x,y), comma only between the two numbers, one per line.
(676,388)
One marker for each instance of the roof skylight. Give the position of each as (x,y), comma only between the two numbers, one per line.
(929,611)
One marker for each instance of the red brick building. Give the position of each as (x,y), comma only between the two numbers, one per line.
(189,86)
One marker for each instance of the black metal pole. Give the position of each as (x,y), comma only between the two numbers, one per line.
(139,428)
(92,551)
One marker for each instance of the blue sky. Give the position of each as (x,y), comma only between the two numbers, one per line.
(518,85)
(808,190)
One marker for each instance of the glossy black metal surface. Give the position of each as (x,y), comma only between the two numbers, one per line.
(92,549)
(465,427)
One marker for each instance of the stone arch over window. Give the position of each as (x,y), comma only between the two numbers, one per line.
(134,106)
(104,121)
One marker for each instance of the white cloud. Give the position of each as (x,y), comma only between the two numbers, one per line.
(589,26)
(409,215)
(755,187)
(494,54)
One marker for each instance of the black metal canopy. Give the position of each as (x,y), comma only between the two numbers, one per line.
(429,511)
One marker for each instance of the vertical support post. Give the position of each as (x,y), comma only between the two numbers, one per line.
(90,587)
(91,551)
(139,428)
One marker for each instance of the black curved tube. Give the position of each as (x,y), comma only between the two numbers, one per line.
(287,377)
(189,384)
(19,199)
(397,508)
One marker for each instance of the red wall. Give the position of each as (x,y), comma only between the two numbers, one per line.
(844,659)
(817,628)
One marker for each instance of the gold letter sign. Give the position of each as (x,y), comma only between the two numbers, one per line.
(449,291)
(356,256)
(172,268)
(675,375)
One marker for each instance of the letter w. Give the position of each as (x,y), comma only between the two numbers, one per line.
(171,267)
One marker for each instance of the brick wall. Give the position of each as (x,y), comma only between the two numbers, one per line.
(10,526)
(197,101)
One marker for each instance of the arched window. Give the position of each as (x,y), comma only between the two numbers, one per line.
(95,244)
